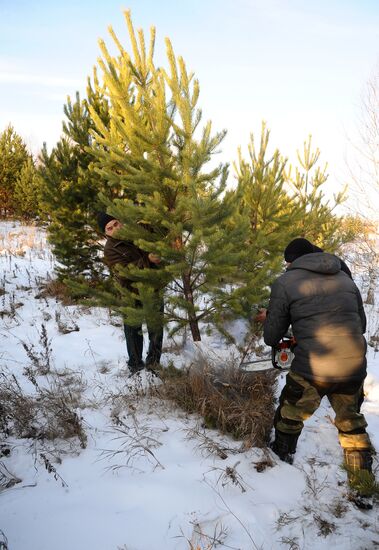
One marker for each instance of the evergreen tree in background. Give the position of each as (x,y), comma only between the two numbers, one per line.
(319,223)
(154,153)
(272,217)
(27,191)
(70,187)
(13,157)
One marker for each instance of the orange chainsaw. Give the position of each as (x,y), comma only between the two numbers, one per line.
(281,357)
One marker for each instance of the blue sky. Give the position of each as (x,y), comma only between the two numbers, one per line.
(299,65)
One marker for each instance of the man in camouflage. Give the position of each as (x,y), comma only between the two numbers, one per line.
(325,309)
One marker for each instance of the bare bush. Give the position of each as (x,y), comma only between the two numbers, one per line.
(292,543)
(235,402)
(49,414)
(324,526)
(17,410)
(338,508)
(200,540)
(3,541)
(7,479)
(52,470)
(229,475)
(60,420)
(137,441)
(206,444)
(265,462)
(65,326)
(287,518)
(40,357)
(9,310)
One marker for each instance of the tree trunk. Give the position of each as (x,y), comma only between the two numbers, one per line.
(193,323)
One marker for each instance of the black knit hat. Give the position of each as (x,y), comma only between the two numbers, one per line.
(102,219)
(298,247)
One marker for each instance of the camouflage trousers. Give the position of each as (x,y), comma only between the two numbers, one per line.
(300,398)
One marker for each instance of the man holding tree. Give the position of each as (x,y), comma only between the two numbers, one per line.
(119,253)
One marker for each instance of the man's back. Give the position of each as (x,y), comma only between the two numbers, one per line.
(325,309)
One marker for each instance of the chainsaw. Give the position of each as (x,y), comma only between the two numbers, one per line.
(281,357)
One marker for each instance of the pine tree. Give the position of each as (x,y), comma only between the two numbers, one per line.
(271,215)
(13,156)
(154,154)
(27,191)
(319,223)
(70,188)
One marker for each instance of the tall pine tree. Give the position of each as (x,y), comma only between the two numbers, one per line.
(155,152)
(271,216)
(319,222)
(70,188)
(13,157)
(27,191)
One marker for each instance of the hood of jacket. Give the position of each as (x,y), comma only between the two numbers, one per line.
(318,262)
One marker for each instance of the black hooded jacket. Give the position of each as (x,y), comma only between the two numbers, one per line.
(325,309)
(123,253)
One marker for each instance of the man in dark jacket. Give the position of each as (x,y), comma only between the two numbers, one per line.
(123,253)
(303,246)
(325,309)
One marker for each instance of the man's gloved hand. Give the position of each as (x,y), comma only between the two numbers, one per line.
(261,315)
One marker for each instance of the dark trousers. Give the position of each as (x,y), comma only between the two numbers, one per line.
(134,344)
(300,398)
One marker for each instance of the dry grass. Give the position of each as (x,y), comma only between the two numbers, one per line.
(54,288)
(137,441)
(49,414)
(3,541)
(237,403)
(7,479)
(17,410)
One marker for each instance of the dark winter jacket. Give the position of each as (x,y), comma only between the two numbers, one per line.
(325,309)
(345,268)
(123,253)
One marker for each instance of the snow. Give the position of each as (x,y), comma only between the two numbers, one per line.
(107,497)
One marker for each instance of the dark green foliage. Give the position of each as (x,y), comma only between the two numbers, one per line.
(27,191)
(154,156)
(13,157)
(271,216)
(319,223)
(278,208)
(69,190)
(137,149)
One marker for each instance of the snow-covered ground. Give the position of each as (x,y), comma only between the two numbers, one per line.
(144,481)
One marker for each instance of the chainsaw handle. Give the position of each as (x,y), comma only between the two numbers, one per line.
(273,359)
(287,342)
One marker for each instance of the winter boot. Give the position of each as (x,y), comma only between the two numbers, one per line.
(153,368)
(136,368)
(358,463)
(284,445)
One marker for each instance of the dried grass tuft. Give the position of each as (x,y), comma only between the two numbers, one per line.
(3,541)
(48,415)
(235,402)
(54,288)
(7,479)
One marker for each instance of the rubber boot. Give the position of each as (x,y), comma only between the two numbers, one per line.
(284,445)
(358,463)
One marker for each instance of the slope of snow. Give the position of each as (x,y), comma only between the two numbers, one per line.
(116,494)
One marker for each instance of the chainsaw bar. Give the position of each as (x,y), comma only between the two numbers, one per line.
(257,366)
